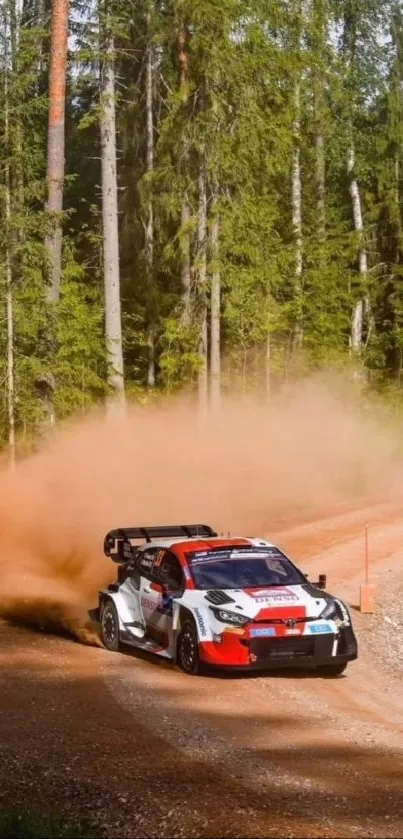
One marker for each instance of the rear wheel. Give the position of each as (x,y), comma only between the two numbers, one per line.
(110,626)
(187,651)
(332,670)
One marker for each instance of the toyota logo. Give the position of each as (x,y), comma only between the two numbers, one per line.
(290,623)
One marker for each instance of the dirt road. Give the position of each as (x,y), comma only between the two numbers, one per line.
(143,750)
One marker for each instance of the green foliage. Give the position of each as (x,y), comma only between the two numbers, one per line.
(26,823)
(235,118)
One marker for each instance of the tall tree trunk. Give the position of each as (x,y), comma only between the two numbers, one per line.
(320,180)
(113,325)
(149,231)
(9,286)
(17,183)
(202,293)
(186,271)
(56,151)
(362,305)
(319,43)
(183,62)
(296,197)
(215,315)
(267,379)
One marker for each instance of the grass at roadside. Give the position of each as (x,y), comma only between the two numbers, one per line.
(25,823)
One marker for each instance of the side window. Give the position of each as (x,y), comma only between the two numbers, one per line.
(146,561)
(170,573)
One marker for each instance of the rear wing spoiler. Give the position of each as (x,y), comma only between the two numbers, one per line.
(118,547)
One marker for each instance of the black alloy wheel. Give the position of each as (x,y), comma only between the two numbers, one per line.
(110,626)
(188,649)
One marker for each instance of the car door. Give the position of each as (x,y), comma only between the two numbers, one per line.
(131,578)
(150,589)
(167,582)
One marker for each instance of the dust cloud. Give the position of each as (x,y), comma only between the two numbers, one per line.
(313,448)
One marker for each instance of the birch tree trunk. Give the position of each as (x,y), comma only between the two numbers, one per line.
(183,62)
(113,326)
(56,131)
(296,197)
(357,320)
(215,315)
(9,286)
(149,231)
(202,297)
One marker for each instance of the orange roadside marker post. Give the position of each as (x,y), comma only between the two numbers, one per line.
(367,602)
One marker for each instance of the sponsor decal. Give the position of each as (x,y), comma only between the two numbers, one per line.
(220,554)
(159,557)
(148,603)
(146,562)
(165,604)
(200,621)
(320,628)
(127,551)
(161,604)
(263,632)
(280,594)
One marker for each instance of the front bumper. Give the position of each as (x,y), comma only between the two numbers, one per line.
(301,651)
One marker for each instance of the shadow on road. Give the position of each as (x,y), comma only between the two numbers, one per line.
(65,739)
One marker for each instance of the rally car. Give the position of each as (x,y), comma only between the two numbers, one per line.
(188,595)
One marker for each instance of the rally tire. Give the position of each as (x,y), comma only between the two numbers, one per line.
(187,649)
(110,626)
(331,671)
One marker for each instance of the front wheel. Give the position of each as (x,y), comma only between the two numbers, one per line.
(187,651)
(110,626)
(332,670)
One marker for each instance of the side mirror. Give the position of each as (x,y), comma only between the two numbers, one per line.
(306,576)
(321,581)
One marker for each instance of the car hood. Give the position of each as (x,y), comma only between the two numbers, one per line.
(260,602)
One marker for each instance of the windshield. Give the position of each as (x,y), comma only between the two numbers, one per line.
(242,567)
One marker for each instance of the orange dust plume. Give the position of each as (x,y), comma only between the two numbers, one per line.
(309,449)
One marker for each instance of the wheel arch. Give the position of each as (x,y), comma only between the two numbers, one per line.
(118,602)
(198,616)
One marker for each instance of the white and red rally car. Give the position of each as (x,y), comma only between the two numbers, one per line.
(188,595)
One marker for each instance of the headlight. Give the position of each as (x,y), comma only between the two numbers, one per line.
(229,617)
(331,612)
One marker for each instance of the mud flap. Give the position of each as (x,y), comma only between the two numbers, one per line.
(95,615)
(137,629)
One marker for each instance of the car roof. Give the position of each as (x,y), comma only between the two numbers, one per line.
(205,544)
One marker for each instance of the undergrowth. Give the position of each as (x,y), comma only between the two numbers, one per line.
(25,823)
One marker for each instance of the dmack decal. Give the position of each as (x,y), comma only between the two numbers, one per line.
(280,595)
(263,632)
(200,621)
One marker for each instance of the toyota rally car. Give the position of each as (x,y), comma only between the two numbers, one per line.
(193,597)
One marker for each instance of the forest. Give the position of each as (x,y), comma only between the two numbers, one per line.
(196,195)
